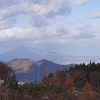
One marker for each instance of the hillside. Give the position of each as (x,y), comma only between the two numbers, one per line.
(34,70)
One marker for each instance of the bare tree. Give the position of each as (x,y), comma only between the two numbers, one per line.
(5,70)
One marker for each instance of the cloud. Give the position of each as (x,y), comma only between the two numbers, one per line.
(7,3)
(56,39)
(63,30)
(40,22)
(14,33)
(44,12)
(80,20)
(26,34)
(89,30)
(81,2)
(40,13)
(50,8)
(96,15)
(58,35)
(47,24)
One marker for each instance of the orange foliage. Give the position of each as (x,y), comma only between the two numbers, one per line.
(69,81)
(45,79)
(55,80)
(87,88)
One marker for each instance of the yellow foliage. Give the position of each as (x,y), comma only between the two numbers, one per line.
(69,81)
(87,88)
(55,79)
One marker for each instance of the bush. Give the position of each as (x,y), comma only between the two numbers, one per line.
(80,84)
(58,89)
(35,88)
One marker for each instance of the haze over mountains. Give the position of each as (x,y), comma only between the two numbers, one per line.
(37,54)
(31,63)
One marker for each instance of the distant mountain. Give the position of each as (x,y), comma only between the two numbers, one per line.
(34,70)
(34,54)
(29,53)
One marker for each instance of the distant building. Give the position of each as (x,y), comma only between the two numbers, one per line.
(1,82)
(21,83)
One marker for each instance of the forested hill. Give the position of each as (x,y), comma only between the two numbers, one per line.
(31,70)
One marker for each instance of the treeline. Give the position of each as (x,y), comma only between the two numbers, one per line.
(81,82)
(7,76)
(76,76)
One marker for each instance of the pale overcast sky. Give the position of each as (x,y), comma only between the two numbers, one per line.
(64,26)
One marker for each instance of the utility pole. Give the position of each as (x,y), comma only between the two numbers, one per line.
(38,74)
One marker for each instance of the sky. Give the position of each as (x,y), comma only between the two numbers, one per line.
(69,27)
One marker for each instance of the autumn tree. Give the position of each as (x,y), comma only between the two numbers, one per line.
(55,80)
(69,81)
(78,75)
(87,88)
(94,79)
(45,79)
(62,76)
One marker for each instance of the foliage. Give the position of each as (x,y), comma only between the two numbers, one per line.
(55,80)
(35,87)
(50,75)
(81,77)
(5,71)
(80,84)
(62,76)
(69,81)
(87,88)
(94,79)
(13,81)
(45,79)
(91,67)
(59,89)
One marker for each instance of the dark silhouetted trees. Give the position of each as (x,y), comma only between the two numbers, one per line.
(5,71)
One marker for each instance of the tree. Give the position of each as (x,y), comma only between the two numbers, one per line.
(79,84)
(71,68)
(78,75)
(55,80)
(13,81)
(94,79)
(50,75)
(69,81)
(5,71)
(62,76)
(45,79)
(87,89)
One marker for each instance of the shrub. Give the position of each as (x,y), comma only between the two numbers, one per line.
(80,84)
(58,89)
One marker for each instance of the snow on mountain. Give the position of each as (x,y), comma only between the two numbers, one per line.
(34,54)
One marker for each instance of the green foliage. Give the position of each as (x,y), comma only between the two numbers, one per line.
(91,67)
(80,84)
(35,88)
(71,68)
(59,89)
(21,88)
(50,75)
(13,81)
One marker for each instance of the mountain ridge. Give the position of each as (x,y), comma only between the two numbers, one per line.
(27,52)
(28,69)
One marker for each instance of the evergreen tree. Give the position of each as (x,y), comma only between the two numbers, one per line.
(13,81)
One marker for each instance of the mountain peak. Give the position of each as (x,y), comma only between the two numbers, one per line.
(27,69)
